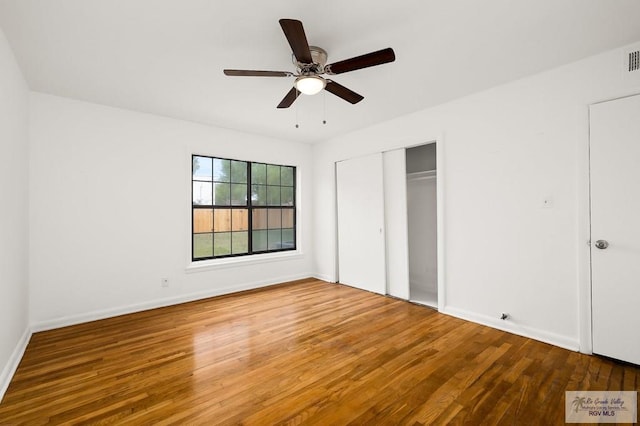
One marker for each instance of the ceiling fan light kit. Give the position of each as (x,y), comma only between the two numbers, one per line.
(310,84)
(311,63)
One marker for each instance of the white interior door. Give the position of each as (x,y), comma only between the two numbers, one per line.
(615,220)
(360,204)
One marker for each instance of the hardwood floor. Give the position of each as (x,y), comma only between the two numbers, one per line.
(301,353)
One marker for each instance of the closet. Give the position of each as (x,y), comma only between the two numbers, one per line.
(422,224)
(387,224)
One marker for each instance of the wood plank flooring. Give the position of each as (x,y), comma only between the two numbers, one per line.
(302,353)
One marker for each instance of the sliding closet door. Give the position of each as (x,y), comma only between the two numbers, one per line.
(360,204)
(395,217)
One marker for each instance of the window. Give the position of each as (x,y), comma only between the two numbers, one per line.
(241,208)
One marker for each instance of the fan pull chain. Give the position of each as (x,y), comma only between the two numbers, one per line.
(324,107)
(297,125)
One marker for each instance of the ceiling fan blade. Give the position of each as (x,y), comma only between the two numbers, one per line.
(289,98)
(342,92)
(364,61)
(254,73)
(294,32)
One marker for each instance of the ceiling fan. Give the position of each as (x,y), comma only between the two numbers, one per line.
(311,64)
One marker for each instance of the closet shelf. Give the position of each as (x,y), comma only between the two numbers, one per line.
(422,175)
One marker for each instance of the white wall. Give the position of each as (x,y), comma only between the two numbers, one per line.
(504,150)
(110,210)
(13,213)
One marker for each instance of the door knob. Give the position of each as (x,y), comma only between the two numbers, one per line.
(602,244)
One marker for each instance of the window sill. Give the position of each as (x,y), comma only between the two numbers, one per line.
(209,265)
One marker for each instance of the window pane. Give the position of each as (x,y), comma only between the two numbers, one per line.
(273,175)
(273,195)
(202,220)
(287,239)
(202,245)
(259,240)
(222,220)
(275,239)
(239,171)
(287,196)
(287,218)
(201,193)
(222,194)
(239,219)
(201,168)
(258,173)
(222,244)
(259,195)
(221,170)
(287,176)
(240,242)
(259,219)
(275,218)
(238,194)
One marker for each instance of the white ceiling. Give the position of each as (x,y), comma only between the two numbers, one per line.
(166,56)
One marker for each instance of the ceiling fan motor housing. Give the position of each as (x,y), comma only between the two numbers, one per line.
(319,59)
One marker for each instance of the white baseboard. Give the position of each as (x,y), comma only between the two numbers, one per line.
(157,303)
(511,326)
(12,364)
(324,277)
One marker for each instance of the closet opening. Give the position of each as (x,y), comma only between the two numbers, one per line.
(422,224)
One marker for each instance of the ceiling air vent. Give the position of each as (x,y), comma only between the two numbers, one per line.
(631,68)
(633,61)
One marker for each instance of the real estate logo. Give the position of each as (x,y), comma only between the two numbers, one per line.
(601,406)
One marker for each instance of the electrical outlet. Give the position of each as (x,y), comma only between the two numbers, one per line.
(164,282)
